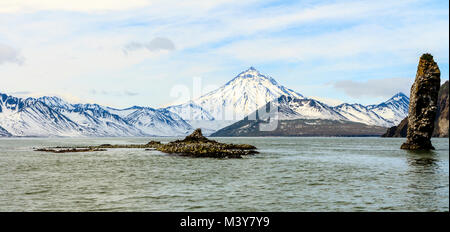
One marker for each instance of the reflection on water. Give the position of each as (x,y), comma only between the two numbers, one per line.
(426,189)
(423,159)
(290,174)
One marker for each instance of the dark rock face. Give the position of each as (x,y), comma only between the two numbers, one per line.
(423,105)
(441,125)
(300,127)
(3,132)
(441,122)
(398,131)
(196,136)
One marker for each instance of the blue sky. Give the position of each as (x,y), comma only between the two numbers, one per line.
(123,53)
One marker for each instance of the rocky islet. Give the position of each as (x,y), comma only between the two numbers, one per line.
(194,145)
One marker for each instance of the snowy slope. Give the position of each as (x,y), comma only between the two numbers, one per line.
(395,109)
(296,108)
(4,132)
(56,102)
(100,121)
(360,113)
(97,120)
(159,122)
(155,122)
(31,117)
(290,108)
(190,111)
(197,117)
(52,116)
(122,112)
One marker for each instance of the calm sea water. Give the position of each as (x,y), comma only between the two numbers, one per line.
(290,174)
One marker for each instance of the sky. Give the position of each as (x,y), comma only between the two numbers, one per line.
(136,52)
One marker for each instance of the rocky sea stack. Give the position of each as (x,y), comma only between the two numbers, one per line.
(423,105)
(441,122)
(196,145)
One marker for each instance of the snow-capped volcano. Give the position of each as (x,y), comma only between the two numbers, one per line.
(250,90)
(242,95)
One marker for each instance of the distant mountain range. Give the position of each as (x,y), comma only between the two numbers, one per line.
(52,116)
(242,96)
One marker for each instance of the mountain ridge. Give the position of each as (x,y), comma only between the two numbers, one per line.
(288,120)
(52,116)
(245,93)
(232,99)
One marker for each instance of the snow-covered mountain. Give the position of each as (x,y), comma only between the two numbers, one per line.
(303,108)
(52,116)
(31,117)
(242,95)
(56,102)
(99,120)
(198,117)
(190,111)
(290,108)
(159,122)
(251,90)
(395,109)
(360,113)
(245,93)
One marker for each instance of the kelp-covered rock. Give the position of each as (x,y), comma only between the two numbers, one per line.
(154,143)
(196,137)
(423,105)
(197,145)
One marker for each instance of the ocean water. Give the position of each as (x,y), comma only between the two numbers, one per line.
(289,174)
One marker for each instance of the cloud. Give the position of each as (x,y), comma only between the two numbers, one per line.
(163,7)
(385,87)
(328,101)
(361,40)
(156,44)
(14,6)
(129,93)
(113,93)
(9,54)
(20,93)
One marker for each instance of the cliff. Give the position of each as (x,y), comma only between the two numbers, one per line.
(441,123)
